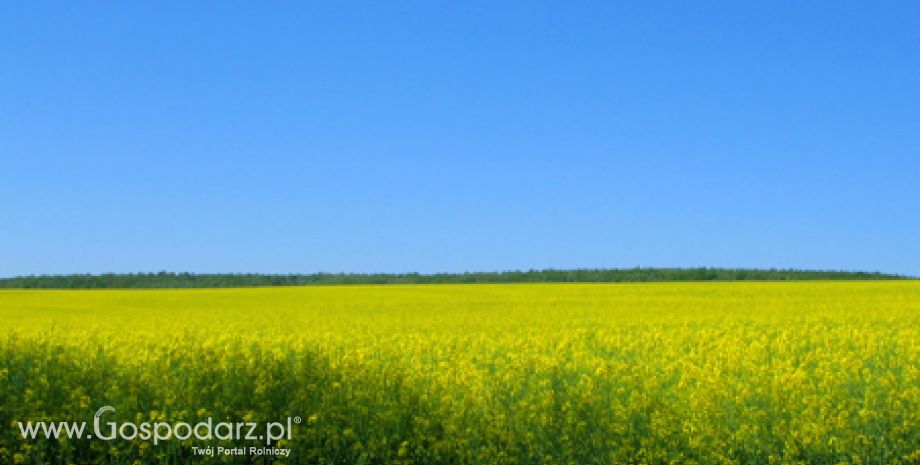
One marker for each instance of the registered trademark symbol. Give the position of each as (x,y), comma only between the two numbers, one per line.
(297,420)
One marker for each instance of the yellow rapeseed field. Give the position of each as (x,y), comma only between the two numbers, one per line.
(683,373)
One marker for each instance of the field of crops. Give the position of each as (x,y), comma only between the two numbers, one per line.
(707,373)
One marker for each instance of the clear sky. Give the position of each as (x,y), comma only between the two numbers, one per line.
(451,136)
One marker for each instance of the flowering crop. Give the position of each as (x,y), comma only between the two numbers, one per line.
(706,373)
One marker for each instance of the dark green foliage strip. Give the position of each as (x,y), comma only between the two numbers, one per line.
(193,280)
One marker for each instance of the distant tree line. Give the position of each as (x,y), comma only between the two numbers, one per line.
(194,280)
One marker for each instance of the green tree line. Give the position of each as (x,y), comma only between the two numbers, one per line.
(165,279)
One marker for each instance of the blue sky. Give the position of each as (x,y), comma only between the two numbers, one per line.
(452,136)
